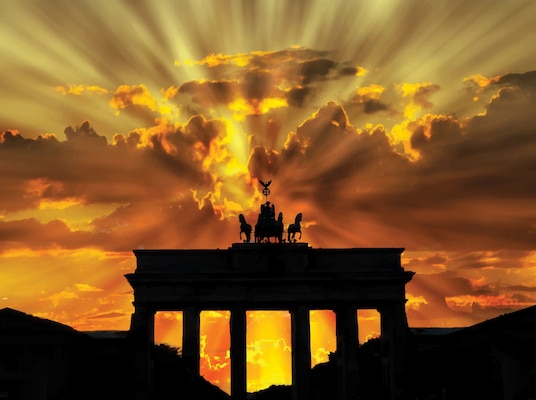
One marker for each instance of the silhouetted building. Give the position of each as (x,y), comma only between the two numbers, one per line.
(44,360)
(492,360)
(498,358)
(37,357)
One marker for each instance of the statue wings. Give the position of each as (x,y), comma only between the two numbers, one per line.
(265,184)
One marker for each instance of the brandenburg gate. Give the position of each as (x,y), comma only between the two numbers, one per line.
(283,275)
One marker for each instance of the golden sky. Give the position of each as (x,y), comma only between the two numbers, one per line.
(142,124)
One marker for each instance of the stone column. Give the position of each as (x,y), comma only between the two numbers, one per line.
(301,353)
(141,336)
(238,353)
(347,344)
(394,328)
(191,338)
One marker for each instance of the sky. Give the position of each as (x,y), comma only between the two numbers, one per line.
(141,124)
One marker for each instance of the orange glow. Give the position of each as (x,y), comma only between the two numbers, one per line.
(77,90)
(372,91)
(323,339)
(418,94)
(481,80)
(415,302)
(268,349)
(126,95)
(360,71)
(241,107)
(268,341)
(214,348)
(168,328)
(467,302)
(213,60)
(388,124)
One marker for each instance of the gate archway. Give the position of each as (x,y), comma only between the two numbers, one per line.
(275,276)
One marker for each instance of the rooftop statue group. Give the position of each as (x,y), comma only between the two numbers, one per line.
(267,225)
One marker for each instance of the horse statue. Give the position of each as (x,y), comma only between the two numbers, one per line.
(245,228)
(295,228)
